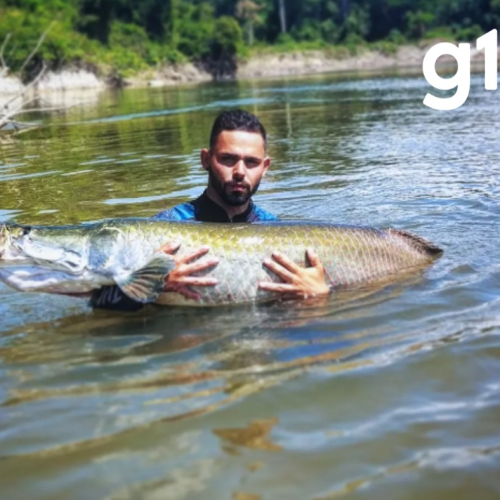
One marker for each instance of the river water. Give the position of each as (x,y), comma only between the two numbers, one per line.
(394,394)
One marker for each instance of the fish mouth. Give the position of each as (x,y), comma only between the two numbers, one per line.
(11,240)
(4,239)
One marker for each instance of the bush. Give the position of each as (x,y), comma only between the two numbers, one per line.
(62,45)
(419,23)
(469,34)
(386,47)
(227,39)
(357,23)
(309,31)
(354,43)
(396,37)
(195,29)
(440,33)
(330,32)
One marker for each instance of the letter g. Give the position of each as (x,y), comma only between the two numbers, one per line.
(461,79)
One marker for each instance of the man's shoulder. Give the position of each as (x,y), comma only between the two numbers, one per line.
(184,211)
(193,211)
(263,215)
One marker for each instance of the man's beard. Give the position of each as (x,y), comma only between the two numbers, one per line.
(231,198)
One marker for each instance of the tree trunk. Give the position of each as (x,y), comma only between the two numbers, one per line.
(251,36)
(345,9)
(282,16)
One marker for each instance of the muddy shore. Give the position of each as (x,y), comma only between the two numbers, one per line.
(264,65)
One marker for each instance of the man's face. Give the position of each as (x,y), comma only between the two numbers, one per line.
(236,165)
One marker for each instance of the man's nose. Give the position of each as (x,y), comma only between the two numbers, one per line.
(239,169)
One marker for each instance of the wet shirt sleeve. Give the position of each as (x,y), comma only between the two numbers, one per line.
(112,298)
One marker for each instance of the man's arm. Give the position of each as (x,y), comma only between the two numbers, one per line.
(113,299)
(299,282)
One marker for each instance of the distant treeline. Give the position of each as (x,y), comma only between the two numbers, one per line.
(129,35)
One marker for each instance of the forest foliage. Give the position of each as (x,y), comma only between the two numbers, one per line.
(129,35)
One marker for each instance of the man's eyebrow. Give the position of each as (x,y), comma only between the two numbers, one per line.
(234,155)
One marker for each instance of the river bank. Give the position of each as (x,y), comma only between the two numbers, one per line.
(262,65)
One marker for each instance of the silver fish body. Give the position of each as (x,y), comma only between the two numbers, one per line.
(79,259)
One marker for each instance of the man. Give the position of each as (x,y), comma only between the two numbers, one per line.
(236,163)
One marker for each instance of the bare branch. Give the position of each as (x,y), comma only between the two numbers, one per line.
(6,114)
(50,108)
(18,126)
(35,50)
(18,103)
(4,69)
(17,110)
(5,107)
(21,109)
(11,53)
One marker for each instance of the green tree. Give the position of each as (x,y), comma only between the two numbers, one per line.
(419,22)
(227,38)
(195,27)
(227,41)
(248,12)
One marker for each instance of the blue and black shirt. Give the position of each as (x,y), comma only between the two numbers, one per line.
(202,209)
(205,210)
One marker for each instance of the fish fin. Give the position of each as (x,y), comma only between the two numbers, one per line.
(417,242)
(146,284)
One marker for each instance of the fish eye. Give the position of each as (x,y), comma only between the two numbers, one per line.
(20,231)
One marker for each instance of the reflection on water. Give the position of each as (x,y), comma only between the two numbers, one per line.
(375,393)
(254,436)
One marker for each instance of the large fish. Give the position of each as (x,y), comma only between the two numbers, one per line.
(124,252)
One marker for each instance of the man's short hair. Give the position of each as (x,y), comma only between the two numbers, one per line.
(236,119)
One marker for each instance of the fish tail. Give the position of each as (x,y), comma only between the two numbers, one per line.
(418,243)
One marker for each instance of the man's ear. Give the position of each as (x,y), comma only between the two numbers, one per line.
(267,163)
(205,158)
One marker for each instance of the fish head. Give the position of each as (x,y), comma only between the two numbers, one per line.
(16,246)
(28,246)
(10,236)
(35,259)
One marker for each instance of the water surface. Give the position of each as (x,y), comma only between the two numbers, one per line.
(393,394)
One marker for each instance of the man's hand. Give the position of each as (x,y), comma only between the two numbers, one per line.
(299,282)
(180,278)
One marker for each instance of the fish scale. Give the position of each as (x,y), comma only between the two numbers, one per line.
(352,255)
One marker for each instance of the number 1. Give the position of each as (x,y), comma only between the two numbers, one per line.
(489,43)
